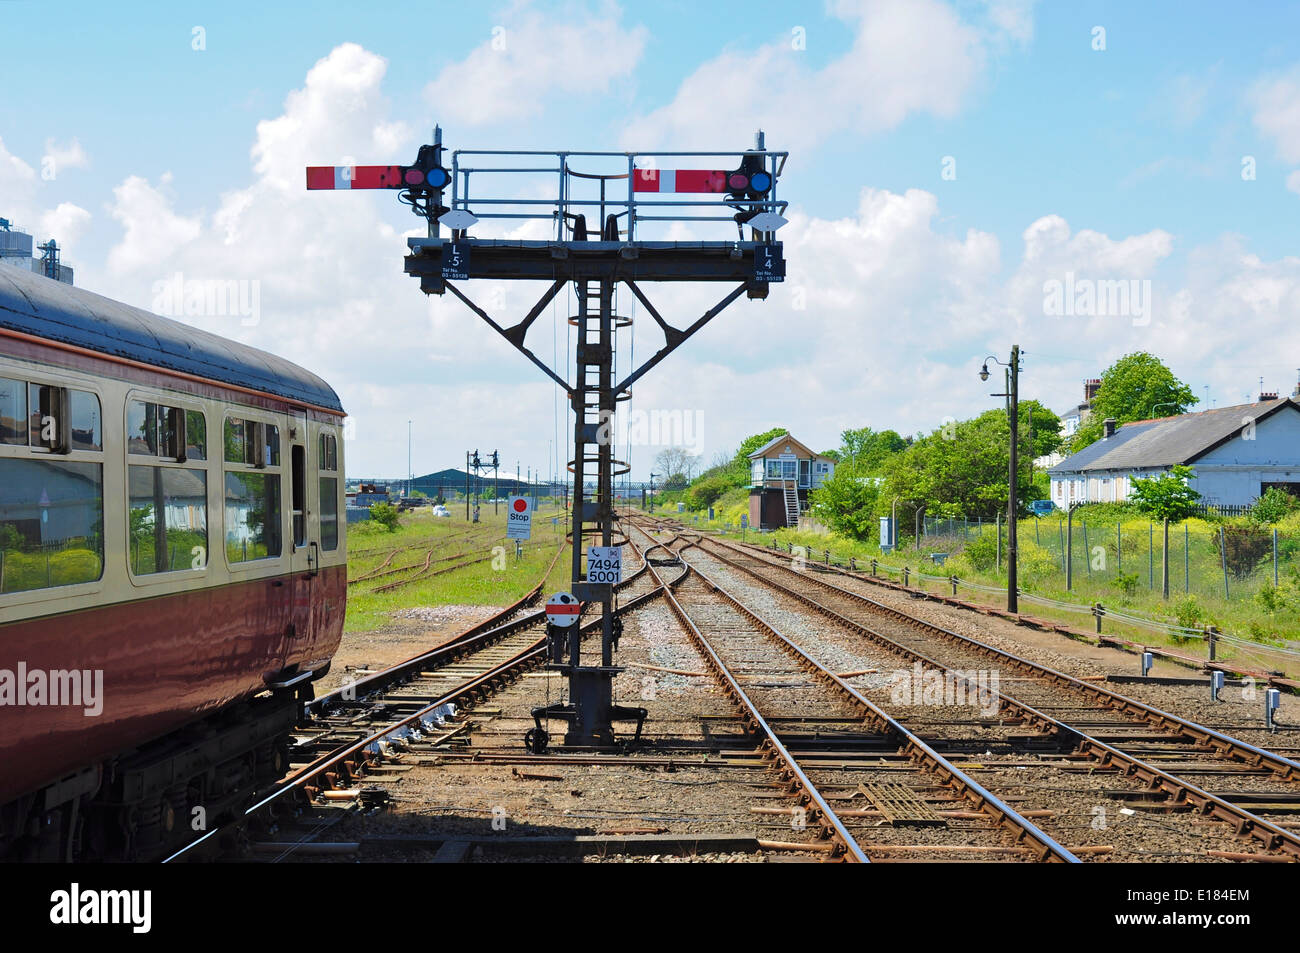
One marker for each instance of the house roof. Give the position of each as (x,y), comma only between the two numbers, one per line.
(1167,441)
(33,304)
(786,438)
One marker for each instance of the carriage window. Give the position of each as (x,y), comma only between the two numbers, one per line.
(47,406)
(196,435)
(168,519)
(234,440)
(252,443)
(51,523)
(86,433)
(13,412)
(328,462)
(252,516)
(142,427)
(57,418)
(329,453)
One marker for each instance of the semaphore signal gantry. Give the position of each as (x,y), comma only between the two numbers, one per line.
(600,219)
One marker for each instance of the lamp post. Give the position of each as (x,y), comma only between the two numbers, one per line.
(1012,394)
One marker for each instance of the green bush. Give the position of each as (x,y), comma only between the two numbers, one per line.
(982,552)
(1126,582)
(385,515)
(1274,506)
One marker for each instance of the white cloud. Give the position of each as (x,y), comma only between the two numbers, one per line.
(69,156)
(1276,102)
(66,223)
(529,58)
(154,233)
(907,57)
(1293,182)
(330,121)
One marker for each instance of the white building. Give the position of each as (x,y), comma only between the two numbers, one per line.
(1237,453)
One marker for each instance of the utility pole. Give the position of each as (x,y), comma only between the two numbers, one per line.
(409,473)
(1012,395)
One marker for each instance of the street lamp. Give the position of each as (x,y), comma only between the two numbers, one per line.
(1012,394)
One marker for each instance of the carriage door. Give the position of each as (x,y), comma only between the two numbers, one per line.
(304,550)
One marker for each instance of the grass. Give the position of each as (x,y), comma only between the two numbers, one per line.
(497,580)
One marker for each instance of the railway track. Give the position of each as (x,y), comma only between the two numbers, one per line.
(855,747)
(1153,749)
(365,725)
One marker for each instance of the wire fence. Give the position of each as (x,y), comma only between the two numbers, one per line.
(1205,559)
(1196,642)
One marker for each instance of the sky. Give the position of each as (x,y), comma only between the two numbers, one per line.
(1083,179)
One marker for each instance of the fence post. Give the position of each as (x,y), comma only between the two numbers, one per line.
(997,529)
(1151,555)
(874,563)
(1069,550)
(853,563)
(1087,553)
(1060,532)
(905,572)
(1187,559)
(828,556)
(1274,559)
(1098,610)
(1119,545)
(1223,558)
(953,580)
(1210,633)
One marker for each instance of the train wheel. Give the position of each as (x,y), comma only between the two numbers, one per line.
(536,740)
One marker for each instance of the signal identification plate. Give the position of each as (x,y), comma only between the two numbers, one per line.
(768,263)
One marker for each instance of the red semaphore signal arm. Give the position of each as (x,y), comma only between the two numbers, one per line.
(375,177)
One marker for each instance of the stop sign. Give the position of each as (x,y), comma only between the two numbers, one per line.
(519,518)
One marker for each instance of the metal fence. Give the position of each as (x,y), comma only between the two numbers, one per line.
(1228,561)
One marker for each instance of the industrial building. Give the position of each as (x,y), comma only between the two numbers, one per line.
(17,251)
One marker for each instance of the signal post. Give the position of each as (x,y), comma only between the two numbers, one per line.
(603,202)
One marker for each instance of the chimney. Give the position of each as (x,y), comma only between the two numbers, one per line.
(1265,395)
(1296,392)
(1090,388)
(1108,427)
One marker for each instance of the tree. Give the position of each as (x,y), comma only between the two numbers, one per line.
(673,463)
(961,468)
(747,446)
(1136,387)
(1166,497)
(847,502)
(867,450)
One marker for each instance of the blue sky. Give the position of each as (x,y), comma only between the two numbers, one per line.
(1126,162)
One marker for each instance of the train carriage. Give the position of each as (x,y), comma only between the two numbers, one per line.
(172,569)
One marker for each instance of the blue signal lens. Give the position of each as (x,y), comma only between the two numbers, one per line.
(760,181)
(437,177)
